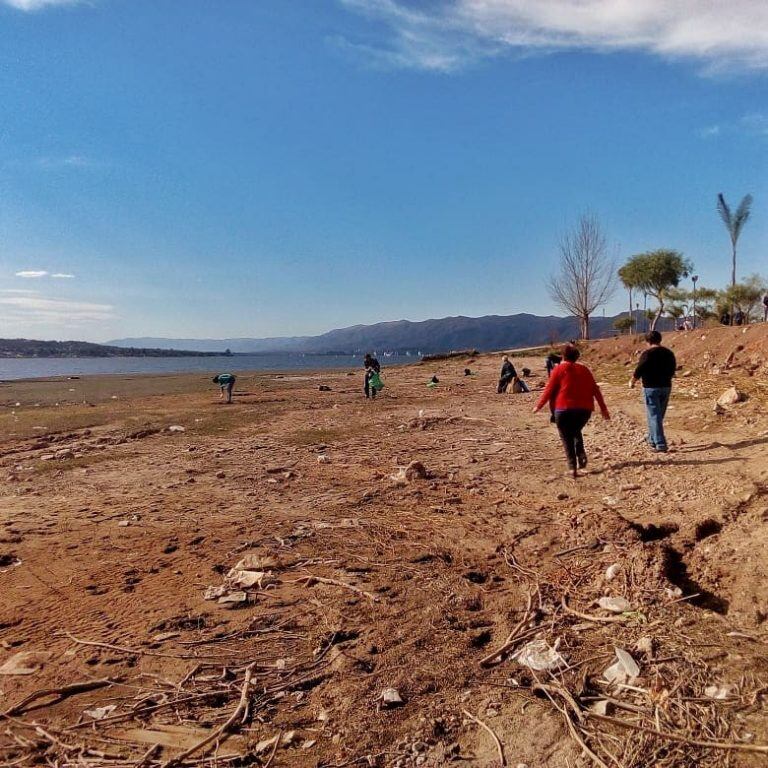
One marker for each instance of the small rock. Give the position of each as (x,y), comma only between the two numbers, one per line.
(645,645)
(390,697)
(612,571)
(415,471)
(602,707)
(323,458)
(221,475)
(232,599)
(99,713)
(731,396)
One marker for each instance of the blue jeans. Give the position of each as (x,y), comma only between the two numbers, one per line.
(656,401)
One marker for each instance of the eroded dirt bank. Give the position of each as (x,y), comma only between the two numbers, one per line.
(113,528)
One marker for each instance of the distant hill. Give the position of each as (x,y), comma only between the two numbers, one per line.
(33,348)
(488,333)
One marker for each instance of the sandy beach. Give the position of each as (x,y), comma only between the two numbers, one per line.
(390,605)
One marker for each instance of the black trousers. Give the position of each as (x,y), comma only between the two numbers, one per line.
(504,382)
(569,425)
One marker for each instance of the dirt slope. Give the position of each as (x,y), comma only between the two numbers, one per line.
(111,534)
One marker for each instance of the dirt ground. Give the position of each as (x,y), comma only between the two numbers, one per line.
(388,617)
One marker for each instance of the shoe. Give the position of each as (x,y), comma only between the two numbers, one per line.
(582,457)
(660,449)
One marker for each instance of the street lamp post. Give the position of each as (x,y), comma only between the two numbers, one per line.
(694,278)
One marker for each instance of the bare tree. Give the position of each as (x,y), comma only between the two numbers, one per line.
(586,278)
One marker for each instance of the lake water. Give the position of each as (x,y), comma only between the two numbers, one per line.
(44,367)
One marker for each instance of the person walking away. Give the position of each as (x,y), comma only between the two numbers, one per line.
(552,360)
(507,376)
(765,308)
(655,369)
(739,318)
(372,367)
(226,382)
(572,391)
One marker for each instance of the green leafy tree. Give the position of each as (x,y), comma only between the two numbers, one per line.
(745,296)
(656,273)
(734,223)
(623,323)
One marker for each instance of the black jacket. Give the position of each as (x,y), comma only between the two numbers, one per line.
(656,367)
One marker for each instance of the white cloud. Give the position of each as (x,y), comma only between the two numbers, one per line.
(36,5)
(32,273)
(445,35)
(62,276)
(710,131)
(39,310)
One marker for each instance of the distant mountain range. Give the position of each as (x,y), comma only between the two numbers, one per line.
(34,348)
(492,332)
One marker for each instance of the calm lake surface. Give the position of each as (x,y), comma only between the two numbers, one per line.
(44,367)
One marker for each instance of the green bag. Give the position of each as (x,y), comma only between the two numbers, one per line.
(375,382)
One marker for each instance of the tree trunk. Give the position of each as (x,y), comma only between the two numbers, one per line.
(659,313)
(630,311)
(733,281)
(585,327)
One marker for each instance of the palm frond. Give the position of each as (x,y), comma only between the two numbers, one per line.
(742,215)
(724,211)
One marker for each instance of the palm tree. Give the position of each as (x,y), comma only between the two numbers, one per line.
(734,223)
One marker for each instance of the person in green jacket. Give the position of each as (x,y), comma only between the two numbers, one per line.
(226,382)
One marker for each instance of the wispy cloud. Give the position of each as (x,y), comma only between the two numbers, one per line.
(40,310)
(36,274)
(36,5)
(64,162)
(446,35)
(755,123)
(710,131)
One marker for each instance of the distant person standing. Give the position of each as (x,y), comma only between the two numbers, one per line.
(725,317)
(655,369)
(226,382)
(571,391)
(551,361)
(765,308)
(739,318)
(372,367)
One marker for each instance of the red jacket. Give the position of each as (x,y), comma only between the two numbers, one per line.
(572,386)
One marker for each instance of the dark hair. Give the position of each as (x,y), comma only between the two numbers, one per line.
(571,353)
(653,337)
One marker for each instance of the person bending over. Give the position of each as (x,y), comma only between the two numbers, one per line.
(226,382)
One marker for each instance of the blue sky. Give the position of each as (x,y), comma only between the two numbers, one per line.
(263,168)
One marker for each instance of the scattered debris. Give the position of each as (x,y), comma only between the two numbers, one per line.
(615,604)
(539,655)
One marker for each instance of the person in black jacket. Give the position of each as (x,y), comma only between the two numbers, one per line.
(507,376)
(656,367)
(371,366)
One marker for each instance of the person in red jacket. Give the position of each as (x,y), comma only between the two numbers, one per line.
(571,392)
